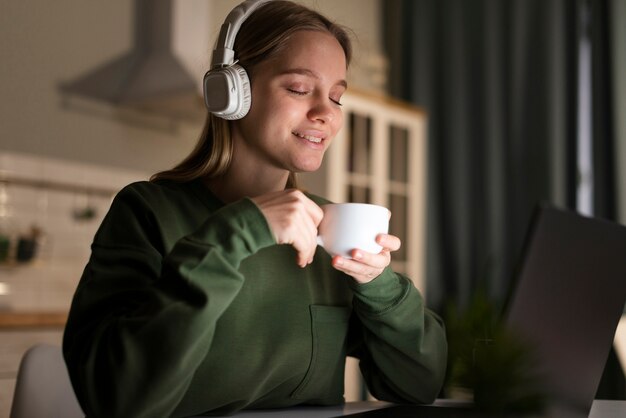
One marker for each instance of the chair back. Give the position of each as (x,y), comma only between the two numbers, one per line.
(43,388)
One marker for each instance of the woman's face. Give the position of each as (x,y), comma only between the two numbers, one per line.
(295,110)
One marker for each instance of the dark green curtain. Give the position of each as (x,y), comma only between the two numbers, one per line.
(604,150)
(499,82)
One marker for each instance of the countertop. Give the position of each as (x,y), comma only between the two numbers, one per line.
(12,320)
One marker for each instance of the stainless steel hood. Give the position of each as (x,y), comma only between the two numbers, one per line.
(149,77)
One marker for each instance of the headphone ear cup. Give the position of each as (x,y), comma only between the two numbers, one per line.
(227,92)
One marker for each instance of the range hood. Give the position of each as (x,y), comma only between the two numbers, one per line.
(149,77)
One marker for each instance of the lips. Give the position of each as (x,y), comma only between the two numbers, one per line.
(315,137)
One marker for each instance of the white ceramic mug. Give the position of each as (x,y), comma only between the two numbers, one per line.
(349,226)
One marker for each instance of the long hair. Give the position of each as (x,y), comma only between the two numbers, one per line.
(263,35)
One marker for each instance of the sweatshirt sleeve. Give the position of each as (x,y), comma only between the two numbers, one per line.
(142,320)
(401,345)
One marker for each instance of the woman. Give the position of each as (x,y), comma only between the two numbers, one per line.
(206,293)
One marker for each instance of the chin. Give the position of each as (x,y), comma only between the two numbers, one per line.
(307,167)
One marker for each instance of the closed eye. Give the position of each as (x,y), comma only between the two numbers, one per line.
(337,102)
(298,92)
(304,93)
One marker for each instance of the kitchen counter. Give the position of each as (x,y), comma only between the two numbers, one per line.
(13,320)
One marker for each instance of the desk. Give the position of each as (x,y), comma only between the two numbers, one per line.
(605,409)
(313,411)
(600,409)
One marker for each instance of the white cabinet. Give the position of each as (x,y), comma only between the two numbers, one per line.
(379,157)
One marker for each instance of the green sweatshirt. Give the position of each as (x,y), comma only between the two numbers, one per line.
(188,306)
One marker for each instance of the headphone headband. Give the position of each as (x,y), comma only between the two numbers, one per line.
(224,55)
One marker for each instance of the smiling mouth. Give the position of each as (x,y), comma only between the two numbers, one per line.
(310,138)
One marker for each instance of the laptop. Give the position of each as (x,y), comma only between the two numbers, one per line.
(568,299)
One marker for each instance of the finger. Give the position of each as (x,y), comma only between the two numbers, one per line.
(312,242)
(315,212)
(314,217)
(312,209)
(389,242)
(293,219)
(378,261)
(359,271)
(310,236)
(306,241)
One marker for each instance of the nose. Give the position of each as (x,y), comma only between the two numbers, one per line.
(322,111)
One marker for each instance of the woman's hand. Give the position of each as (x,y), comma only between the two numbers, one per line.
(293,219)
(365,267)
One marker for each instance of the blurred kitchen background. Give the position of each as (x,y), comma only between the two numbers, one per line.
(461,116)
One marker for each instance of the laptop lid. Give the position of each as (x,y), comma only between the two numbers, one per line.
(568,300)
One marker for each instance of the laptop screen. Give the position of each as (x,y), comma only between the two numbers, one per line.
(568,300)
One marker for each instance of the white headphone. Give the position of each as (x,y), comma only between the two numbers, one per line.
(226,85)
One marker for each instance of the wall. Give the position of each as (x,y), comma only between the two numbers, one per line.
(65,201)
(45,43)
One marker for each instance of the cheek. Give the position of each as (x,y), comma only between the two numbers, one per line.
(337,122)
(272,107)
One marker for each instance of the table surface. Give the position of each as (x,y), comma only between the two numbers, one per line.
(313,411)
(600,409)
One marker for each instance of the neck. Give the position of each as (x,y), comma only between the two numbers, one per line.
(248,174)
(235,184)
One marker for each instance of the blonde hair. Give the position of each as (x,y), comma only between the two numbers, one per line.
(264,34)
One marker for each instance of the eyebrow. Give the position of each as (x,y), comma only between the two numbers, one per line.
(310,73)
